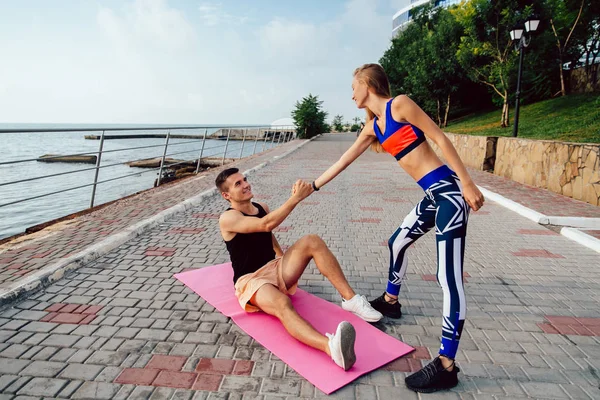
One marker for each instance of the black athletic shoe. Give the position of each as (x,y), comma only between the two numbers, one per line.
(387,309)
(433,377)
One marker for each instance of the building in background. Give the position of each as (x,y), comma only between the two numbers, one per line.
(405,15)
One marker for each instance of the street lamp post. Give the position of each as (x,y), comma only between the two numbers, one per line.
(531,26)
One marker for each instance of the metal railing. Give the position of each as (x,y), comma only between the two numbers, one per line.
(202,146)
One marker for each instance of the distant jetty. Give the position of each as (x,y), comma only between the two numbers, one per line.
(144,136)
(220,134)
(49,158)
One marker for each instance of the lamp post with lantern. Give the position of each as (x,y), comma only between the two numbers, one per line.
(524,40)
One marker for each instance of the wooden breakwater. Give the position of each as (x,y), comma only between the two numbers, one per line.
(54,158)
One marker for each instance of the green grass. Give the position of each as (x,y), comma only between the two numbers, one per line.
(573,118)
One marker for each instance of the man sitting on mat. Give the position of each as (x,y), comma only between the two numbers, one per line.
(264,275)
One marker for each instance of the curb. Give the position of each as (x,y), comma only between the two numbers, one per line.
(568,223)
(514,206)
(52,273)
(581,238)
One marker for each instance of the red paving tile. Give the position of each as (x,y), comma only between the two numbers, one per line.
(535,253)
(61,313)
(55,307)
(92,310)
(181,380)
(282,229)
(548,328)
(589,321)
(137,376)
(69,308)
(243,367)
(404,364)
(170,363)
(67,318)
(565,329)
(215,366)
(81,309)
(207,382)
(591,232)
(421,353)
(571,325)
(560,320)
(582,330)
(48,317)
(87,319)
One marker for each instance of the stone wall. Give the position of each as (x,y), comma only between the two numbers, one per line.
(571,169)
(476,151)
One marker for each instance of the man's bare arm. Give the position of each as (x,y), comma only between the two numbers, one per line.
(235,222)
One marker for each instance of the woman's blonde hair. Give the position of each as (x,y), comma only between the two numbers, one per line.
(377,81)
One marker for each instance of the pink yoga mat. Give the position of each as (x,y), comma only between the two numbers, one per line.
(373,347)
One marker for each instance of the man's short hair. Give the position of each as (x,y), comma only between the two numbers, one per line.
(222,177)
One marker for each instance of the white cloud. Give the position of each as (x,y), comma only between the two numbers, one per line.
(149,62)
(212,14)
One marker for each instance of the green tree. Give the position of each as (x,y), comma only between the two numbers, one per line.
(422,61)
(565,20)
(309,117)
(486,50)
(337,123)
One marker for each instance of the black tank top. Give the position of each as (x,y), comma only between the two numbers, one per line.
(250,251)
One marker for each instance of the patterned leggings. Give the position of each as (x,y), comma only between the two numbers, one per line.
(444,208)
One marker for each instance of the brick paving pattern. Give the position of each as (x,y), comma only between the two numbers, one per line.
(531,331)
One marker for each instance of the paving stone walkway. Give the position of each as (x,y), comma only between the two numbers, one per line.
(122,327)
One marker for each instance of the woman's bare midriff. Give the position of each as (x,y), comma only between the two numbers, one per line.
(420,161)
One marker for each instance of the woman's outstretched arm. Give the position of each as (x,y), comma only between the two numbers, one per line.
(364,140)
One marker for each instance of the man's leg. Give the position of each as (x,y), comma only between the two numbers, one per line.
(270,300)
(311,247)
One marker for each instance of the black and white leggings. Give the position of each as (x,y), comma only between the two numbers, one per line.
(444,208)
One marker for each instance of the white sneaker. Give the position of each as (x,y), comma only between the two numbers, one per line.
(341,345)
(360,306)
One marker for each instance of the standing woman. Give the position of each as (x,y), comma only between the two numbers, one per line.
(399,126)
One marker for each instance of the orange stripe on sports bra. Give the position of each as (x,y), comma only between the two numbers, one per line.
(399,140)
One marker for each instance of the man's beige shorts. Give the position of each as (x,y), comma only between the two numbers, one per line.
(271,273)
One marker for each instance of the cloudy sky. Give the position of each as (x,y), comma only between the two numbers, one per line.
(183,61)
